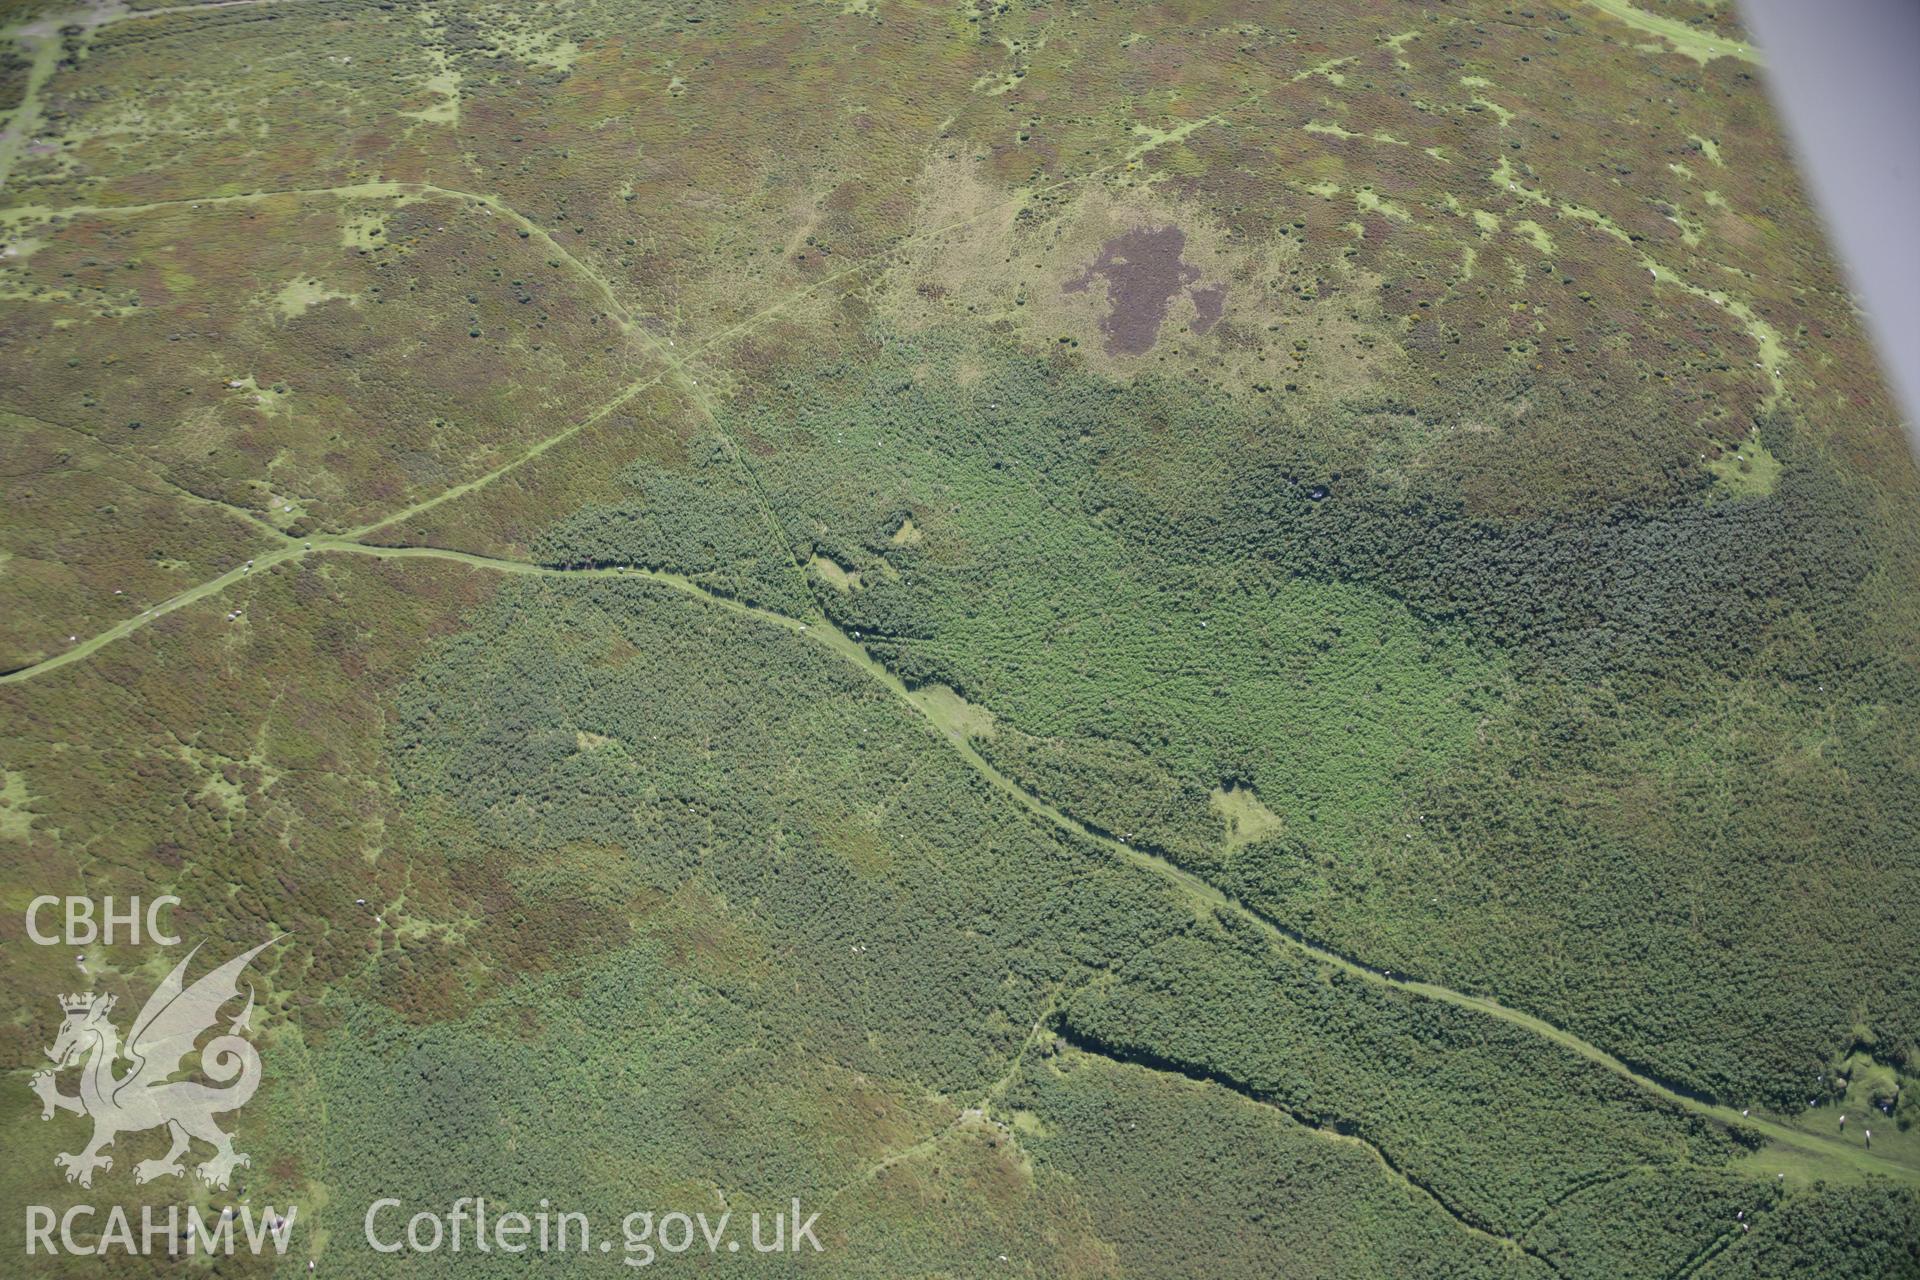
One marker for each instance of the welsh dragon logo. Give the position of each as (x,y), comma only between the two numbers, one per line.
(146,1096)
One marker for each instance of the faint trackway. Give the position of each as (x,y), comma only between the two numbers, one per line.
(980,1116)
(675,363)
(138,466)
(1816,1149)
(977,1115)
(27,213)
(817,630)
(618,311)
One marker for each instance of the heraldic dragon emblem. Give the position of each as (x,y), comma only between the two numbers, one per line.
(147,1096)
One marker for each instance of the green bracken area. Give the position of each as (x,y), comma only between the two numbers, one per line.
(1103,640)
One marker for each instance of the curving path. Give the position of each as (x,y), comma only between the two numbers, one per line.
(1820,1156)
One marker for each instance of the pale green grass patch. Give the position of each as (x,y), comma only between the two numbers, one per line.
(1247,819)
(834,574)
(1747,470)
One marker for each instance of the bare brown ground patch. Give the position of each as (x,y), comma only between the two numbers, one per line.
(1144,271)
(1259,318)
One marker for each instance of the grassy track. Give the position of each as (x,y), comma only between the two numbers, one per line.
(26,116)
(1815,1156)
(1807,1156)
(1702,46)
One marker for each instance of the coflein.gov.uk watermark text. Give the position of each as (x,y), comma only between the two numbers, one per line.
(471,1225)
